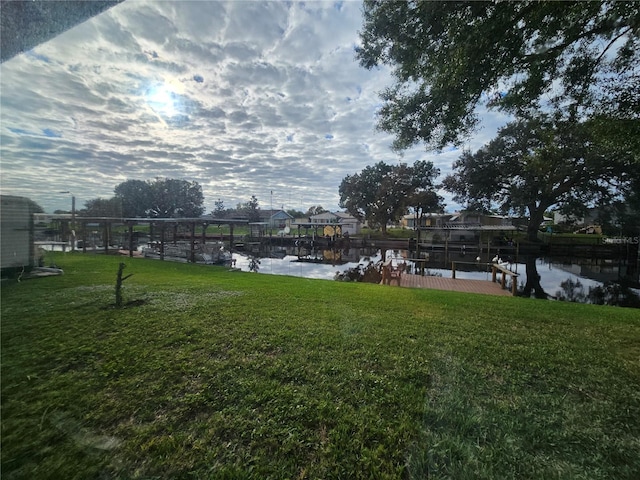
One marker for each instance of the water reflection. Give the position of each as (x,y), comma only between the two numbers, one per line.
(546,273)
(304,262)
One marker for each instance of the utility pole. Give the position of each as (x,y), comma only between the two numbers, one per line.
(73,220)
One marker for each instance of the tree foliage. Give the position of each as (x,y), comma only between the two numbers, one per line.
(535,164)
(450,57)
(102,207)
(295,213)
(135,196)
(34,207)
(382,193)
(162,198)
(176,198)
(421,197)
(251,208)
(219,211)
(315,210)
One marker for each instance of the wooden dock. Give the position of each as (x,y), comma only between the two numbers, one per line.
(486,287)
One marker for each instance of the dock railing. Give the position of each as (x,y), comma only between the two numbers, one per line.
(495,268)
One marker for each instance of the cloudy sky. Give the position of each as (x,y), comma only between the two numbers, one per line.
(244,97)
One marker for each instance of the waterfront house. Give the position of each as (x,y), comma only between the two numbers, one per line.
(330,223)
(275,218)
(461,227)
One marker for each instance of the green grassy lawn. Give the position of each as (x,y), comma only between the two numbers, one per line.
(218,374)
(392,233)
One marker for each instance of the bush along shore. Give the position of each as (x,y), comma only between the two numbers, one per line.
(202,372)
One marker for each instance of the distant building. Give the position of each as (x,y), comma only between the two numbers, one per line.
(590,223)
(349,223)
(465,226)
(342,223)
(427,220)
(275,218)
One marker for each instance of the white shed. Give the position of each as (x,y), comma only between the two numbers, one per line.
(16,229)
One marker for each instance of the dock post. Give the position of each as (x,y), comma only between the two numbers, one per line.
(107,236)
(192,253)
(446,249)
(204,232)
(162,227)
(130,239)
(84,236)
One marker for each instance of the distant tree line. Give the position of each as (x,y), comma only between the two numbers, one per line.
(251,210)
(170,198)
(158,198)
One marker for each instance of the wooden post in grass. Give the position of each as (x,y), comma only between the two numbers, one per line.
(119,280)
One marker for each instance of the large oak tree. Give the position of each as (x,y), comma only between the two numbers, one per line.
(162,198)
(175,198)
(533,165)
(581,58)
(540,163)
(102,207)
(381,193)
(135,197)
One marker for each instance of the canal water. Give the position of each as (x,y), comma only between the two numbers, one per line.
(325,264)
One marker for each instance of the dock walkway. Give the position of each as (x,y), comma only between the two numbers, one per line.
(453,284)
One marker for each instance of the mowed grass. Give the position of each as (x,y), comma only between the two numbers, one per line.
(218,374)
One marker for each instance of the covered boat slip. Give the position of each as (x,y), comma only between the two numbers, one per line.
(162,231)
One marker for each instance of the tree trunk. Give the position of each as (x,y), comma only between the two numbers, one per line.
(119,280)
(536,216)
(533,279)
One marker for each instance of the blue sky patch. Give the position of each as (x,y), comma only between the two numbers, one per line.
(20,131)
(38,56)
(50,133)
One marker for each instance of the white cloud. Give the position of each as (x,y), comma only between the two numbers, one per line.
(244,97)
